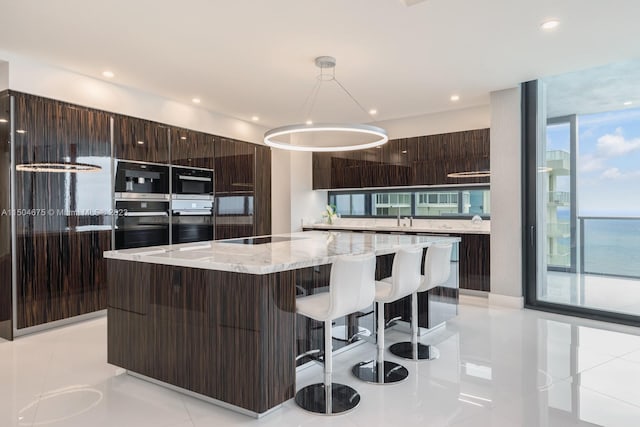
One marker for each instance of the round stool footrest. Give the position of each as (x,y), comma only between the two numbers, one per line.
(380,373)
(406,350)
(313,398)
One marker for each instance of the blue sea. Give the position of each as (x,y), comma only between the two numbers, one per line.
(611,245)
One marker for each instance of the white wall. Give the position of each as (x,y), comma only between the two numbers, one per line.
(44,80)
(4,75)
(506,207)
(280,191)
(437,123)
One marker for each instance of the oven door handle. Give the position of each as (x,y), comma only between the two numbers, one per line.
(194,178)
(193,213)
(146,214)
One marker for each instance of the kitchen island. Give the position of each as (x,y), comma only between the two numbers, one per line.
(217,319)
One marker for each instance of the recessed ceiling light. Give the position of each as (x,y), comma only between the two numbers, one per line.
(373,111)
(255,118)
(21,131)
(455,98)
(404,151)
(4,120)
(309,122)
(108,74)
(550,24)
(628,103)
(183,138)
(140,142)
(196,100)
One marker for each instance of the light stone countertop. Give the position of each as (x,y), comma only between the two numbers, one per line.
(306,249)
(436,226)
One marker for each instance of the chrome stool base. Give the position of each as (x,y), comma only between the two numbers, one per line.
(380,373)
(313,398)
(407,350)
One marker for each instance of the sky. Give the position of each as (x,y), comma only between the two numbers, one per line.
(608,177)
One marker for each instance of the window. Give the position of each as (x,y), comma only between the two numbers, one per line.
(425,202)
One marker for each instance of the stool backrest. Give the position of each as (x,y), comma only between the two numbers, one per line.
(352,284)
(405,272)
(437,266)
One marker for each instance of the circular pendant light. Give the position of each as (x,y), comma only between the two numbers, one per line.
(326,136)
(372,136)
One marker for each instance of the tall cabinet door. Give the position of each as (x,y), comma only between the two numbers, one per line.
(235,188)
(6,305)
(63,223)
(262,217)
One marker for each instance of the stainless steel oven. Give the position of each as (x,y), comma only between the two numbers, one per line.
(192,220)
(141,223)
(190,183)
(135,180)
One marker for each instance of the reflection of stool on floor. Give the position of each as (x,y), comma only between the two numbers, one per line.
(404,280)
(437,267)
(351,288)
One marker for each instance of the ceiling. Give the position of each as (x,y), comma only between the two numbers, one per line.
(249,57)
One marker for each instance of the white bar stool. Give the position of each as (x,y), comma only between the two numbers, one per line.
(404,280)
(351,289)
(437,268)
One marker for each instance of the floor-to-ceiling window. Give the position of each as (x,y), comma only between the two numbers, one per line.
(582,209)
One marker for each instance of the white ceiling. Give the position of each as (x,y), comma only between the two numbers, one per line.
(252,57)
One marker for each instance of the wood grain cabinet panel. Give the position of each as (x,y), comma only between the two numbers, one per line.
(262,214)
(192,149)
(59,246)
(475,272)
(140,140)
(6,299)
(424,160)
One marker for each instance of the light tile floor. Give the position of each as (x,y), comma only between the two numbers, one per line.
(498,367)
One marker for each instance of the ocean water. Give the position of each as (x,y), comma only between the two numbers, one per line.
(612,246)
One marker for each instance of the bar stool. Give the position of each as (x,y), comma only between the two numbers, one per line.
(404,280)
(351,288)
(437,267)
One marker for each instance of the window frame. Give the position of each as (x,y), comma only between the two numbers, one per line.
(414,194)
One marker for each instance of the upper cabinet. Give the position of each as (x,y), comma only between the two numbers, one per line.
(140,140)
(192,149)
(425,160)
(235,166)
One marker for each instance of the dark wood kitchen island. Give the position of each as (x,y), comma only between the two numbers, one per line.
(217,319)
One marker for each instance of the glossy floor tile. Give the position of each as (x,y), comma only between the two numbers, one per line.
(497,367)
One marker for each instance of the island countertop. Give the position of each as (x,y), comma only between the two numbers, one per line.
(275,253)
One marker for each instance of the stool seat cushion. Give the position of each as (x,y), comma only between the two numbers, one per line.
(384,289)
(315,306)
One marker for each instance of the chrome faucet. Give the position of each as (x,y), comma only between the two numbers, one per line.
(398,216)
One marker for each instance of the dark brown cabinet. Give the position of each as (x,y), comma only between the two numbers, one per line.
(140,140)
(64,225)
(424,160)
(235,172)
(192,149)
(475,273)
(6,306)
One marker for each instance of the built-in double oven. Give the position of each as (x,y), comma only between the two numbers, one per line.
(158,204)
(192,205)
(142,203)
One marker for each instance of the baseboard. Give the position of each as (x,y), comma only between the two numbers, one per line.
(498,300)
(481,301)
